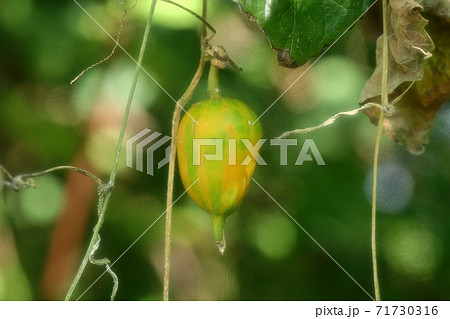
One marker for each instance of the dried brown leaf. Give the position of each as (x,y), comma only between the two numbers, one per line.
(409,60)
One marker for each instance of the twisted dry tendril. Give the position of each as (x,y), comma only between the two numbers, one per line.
(18,182)
(217,55)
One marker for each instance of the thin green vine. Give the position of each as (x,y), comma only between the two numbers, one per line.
(385,104)
(175,123)
(106,191)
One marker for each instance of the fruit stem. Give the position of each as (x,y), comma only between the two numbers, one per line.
(214,90)
(219,235)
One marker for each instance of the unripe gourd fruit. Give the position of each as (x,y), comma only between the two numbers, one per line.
(222,181)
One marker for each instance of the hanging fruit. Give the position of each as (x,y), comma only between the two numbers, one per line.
(211,149)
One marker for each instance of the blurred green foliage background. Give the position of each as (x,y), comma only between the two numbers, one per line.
(45,122)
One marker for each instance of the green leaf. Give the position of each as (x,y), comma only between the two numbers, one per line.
(300,29)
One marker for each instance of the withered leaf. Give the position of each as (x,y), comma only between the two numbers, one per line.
(410,42)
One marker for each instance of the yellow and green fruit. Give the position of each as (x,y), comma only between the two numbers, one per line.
(222,182)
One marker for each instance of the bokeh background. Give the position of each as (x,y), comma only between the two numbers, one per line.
(46,122)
